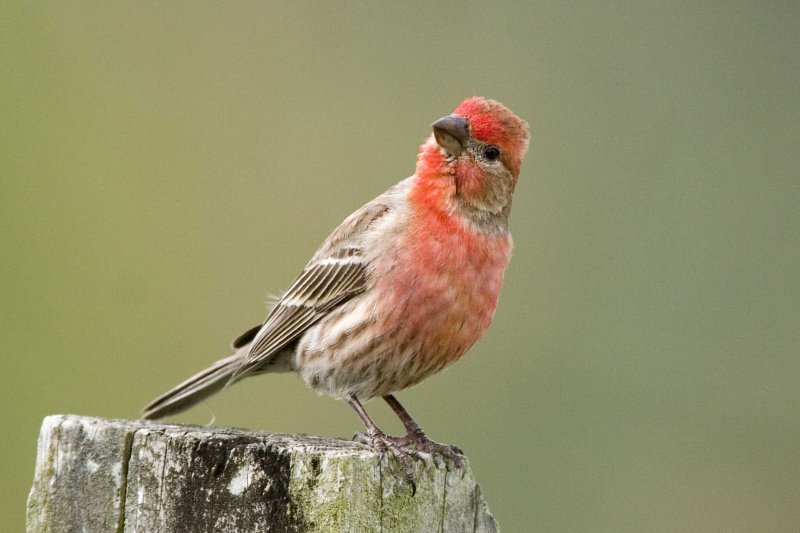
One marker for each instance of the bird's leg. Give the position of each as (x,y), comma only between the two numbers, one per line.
(416,437)
(382,442)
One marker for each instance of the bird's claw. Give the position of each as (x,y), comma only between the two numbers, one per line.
(413,445)
(419,441)
(386,444)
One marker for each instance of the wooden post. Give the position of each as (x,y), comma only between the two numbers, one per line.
(100,475)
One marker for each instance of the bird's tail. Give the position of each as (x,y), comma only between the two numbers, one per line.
(195,389)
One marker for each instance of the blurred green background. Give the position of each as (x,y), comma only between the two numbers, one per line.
(165,167)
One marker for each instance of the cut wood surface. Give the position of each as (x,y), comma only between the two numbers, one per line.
(98,475)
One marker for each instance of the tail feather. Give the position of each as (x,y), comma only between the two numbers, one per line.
(216,377)
(195,389)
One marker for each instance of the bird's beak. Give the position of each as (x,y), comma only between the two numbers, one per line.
(452,134)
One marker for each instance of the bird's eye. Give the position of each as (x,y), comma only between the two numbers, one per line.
(491,153)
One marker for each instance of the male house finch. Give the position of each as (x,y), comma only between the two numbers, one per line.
(401,289)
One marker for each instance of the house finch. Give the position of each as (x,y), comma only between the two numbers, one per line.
(401,289)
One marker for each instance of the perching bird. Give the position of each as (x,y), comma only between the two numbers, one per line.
(401,289)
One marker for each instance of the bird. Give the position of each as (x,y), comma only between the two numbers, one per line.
(401,289)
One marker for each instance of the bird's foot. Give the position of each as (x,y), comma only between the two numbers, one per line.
(386,444)
(419,441)
(408,447)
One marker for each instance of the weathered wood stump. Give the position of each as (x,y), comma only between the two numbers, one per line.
(98,475)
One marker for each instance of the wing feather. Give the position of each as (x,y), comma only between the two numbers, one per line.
(336,273)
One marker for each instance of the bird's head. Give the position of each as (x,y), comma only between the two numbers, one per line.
(479,148)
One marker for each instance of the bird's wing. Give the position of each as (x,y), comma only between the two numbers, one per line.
(336,273)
